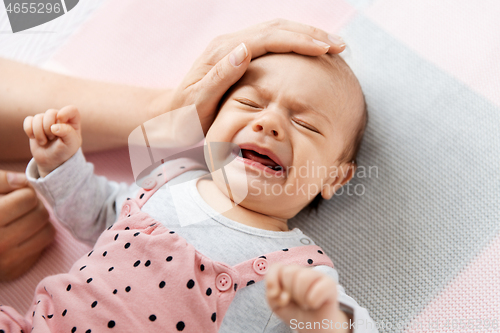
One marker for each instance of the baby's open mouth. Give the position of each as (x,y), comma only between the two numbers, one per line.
(262,159)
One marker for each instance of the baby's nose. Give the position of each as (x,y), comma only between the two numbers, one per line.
(270,124)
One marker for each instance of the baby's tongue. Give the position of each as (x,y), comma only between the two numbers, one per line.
(254,156)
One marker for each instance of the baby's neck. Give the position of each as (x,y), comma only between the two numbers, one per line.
(216,199)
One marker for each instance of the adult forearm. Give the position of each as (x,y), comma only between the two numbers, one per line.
(109,111)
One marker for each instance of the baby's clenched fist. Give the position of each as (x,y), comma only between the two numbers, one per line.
(299,294)
(54,136)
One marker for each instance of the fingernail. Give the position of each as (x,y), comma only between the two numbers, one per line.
(322,44)
(238,55)
(337,40)
(15,179)
(55,128)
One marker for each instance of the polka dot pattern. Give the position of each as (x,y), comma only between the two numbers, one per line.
(180,326)
(138,264)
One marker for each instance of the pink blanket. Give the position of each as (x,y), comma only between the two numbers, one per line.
(154,44)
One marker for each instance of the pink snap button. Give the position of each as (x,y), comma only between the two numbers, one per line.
(223,282)
(126,209)
(260,266)
(149,184)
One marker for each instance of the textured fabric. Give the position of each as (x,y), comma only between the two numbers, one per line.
(421,244)
(430,207)
(123,293)
(36,45)
(87,204)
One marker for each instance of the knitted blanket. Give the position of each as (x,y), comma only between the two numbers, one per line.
(415,235)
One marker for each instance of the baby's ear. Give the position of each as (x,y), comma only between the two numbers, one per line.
(340,177)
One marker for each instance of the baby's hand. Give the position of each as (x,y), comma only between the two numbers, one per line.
(55,136)
(299,294)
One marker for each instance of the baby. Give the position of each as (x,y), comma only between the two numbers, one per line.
(240,270)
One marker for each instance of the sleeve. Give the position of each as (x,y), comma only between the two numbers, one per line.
(361,321)
(83,202)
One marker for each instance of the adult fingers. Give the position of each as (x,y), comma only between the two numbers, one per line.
(21,229)
(279,36)
(16,203)
(227,71)
(19,259)
(19,269)
(284,41)
(333,40)
(10,181)
(39,241)
(217,81)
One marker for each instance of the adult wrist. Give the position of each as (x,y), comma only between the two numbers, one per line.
(159,104)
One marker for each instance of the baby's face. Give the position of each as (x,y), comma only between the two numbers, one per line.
(296,111)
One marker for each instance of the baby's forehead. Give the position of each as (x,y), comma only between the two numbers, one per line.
(324,81)
(327,69)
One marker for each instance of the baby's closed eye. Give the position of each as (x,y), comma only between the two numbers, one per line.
(305,125)
(248,102)
(254,105)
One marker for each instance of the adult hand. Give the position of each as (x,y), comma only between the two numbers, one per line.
(25,229)
(226,59)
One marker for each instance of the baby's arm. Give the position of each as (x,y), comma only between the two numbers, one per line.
(84,202)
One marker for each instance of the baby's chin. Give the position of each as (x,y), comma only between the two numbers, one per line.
(253,195)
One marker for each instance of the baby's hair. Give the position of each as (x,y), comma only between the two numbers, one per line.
(348,80)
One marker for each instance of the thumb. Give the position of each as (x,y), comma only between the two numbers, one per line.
(66,132)
(225,73)
(10,181)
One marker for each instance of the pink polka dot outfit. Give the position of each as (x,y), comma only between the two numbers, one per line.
(143,277)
